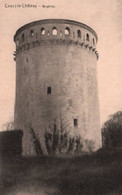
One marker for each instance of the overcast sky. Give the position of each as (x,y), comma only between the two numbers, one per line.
(104,16)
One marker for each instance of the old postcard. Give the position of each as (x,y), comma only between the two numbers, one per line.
(60,97)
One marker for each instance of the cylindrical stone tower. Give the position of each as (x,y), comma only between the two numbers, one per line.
(56,80)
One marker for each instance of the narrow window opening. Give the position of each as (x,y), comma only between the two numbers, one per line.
(60,33)
(87,37)
(93,41)
(17,42)
(27,60)
(54,31)
(79,33)
(67,31)
(75,122)
(42,31)
(23,37)
(48,33)
(48,90)
(31,33)
(73,34)
(36,35)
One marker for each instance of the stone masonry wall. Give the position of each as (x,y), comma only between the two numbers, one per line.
(69,68)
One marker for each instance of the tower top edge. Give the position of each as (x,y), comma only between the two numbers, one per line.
(60,21)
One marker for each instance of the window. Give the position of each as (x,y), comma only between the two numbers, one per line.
(23,37)
(48,33)
(93,41)
(31,33)
(60,33)
(17,42)
(79,33)
(87,37)
(73,34)
(48,90)
(67,31)
(42,31)
(36,35)
(26,59)
(75,122)
(54,32)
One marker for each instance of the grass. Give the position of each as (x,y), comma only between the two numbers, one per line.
(96,174)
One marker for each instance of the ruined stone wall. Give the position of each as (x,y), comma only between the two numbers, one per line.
(65,62)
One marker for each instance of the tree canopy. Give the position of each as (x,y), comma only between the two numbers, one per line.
(112,131)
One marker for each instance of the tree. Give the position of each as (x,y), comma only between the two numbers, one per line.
(112,131)
(9,125)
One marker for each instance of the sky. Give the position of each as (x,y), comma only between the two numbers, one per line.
(103,16)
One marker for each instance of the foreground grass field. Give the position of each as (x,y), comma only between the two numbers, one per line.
(96,174)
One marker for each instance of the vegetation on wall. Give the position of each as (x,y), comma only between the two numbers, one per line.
(59,141)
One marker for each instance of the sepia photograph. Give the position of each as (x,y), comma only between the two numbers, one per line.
(61,97)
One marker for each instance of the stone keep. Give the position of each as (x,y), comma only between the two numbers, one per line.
(56,80)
